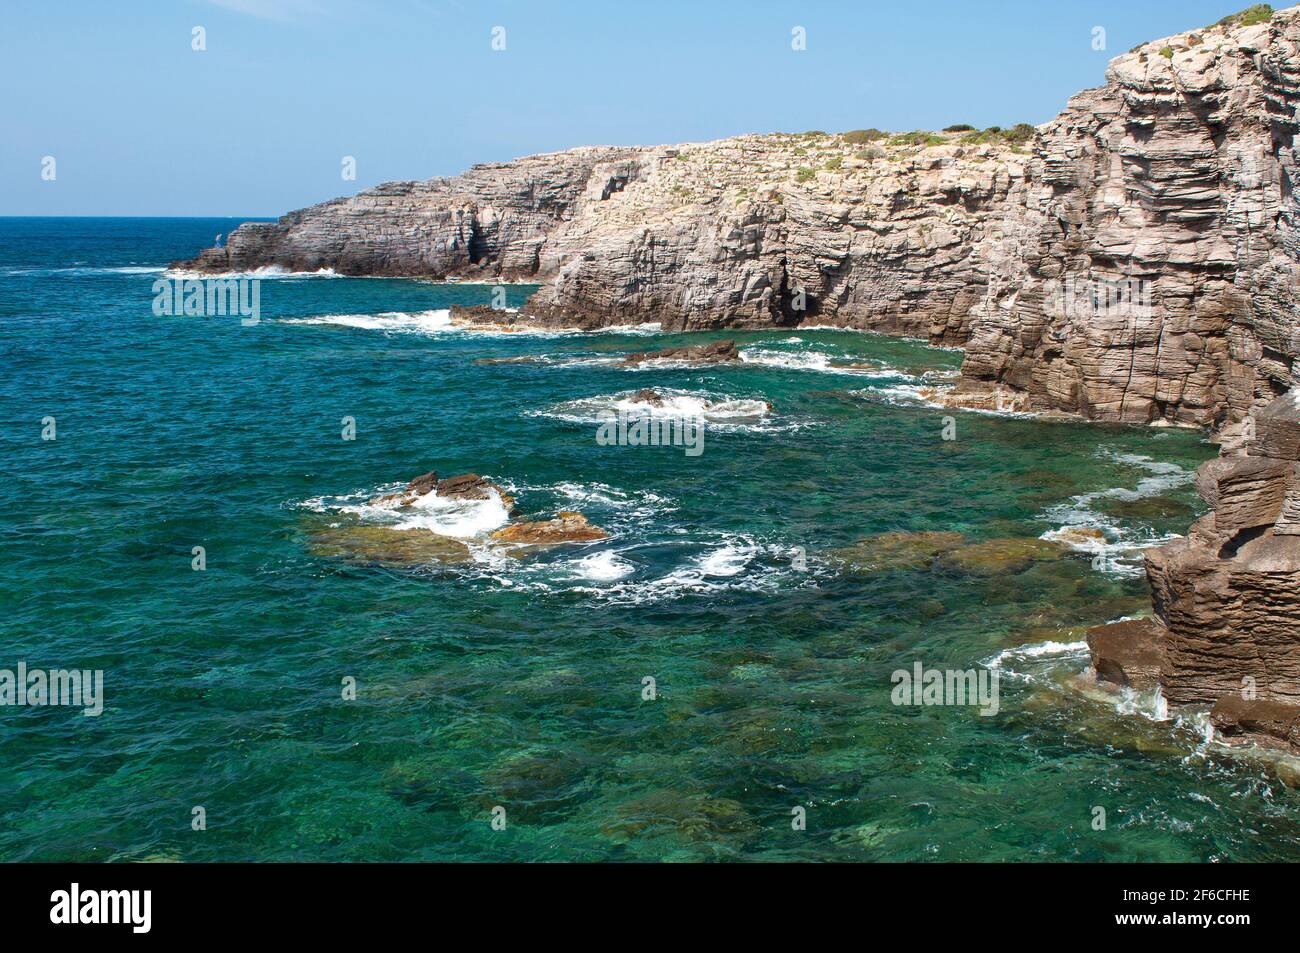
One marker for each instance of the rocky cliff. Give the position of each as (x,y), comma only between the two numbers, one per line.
(1151,273)
(1136,262)
(747,232)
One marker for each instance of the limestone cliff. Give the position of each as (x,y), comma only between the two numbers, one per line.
(1175,181)
(747,232)
(1138,263)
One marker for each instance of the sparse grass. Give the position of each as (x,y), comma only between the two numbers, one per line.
(1259,13)
(804,174)
(834,164)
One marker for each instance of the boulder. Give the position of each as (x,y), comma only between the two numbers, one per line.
(564,528)
(1127,654)
(1235,717)
(1245,492)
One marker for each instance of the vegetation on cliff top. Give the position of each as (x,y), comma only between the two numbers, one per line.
(1259,13)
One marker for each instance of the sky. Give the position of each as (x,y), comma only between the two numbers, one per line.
(259,121)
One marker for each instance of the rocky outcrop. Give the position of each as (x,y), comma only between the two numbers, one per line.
(564,528)
(1226,631)
(717,352)
(489,223)
(754,231)
(1138,264)
(467,486)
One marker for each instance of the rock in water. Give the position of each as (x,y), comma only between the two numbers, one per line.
(1001,556)
(564,528)
(1226,631)
(718,352)
(649,396)
(386,546)
(467,486)
(898,550)
(1127,654)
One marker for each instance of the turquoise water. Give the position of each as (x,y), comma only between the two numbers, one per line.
(518,682)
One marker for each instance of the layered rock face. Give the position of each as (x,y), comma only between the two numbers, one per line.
(755,231)
(1151,271)
(1226,631)
(490,222)
(780,230)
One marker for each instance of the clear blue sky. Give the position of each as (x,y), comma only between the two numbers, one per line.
(257,124)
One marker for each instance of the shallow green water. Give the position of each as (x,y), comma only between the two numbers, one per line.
(518,683)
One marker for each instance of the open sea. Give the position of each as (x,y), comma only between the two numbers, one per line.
(674,692)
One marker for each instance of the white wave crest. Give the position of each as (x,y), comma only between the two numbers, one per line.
(445,516)
(1088,530)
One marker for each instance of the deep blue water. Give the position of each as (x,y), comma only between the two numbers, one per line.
(517,682)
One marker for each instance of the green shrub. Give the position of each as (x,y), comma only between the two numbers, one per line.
(1259,13)
(862,136)
(1017,135)
(1020,133)
(918,137)
(959,127)
(834,164)
(804,174)
(1167,52)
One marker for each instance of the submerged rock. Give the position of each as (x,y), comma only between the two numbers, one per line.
(1001,556)
(717,352)
(898,550)
(1147,508)
(695,817)
(386,546)
(1079,536)
(566,527)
